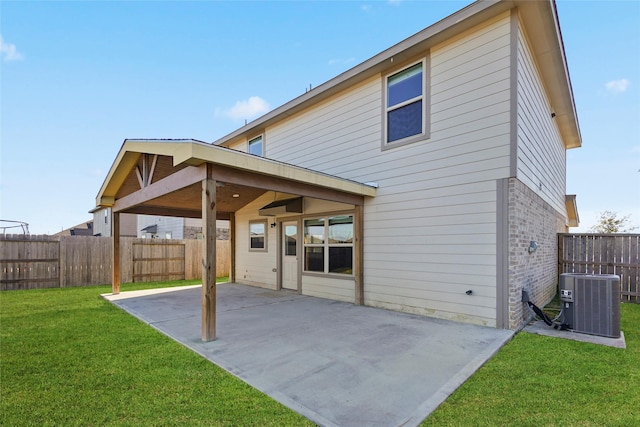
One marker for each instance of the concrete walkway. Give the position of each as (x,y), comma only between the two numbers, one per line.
(335,363)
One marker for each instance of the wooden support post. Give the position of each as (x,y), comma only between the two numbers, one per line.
(209,257)
(232,247)
(359,249)
(115,253)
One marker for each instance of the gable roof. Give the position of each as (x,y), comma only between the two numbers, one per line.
(540,18)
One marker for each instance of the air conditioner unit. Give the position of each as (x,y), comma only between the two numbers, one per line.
(591,303)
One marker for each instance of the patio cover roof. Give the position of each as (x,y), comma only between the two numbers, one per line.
(188,178)
(163,177)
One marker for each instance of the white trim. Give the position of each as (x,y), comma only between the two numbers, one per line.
(264,222)
(425,97)
(253,139)
(326,245)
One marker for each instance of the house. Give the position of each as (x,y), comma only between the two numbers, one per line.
(429,179)
(167,227)
(153,227)
(102,223)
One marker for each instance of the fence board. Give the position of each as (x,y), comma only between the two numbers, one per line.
(31,262)
(85,260)
(155,259)
(603,254)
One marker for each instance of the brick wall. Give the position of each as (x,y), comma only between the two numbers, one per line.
(531,219)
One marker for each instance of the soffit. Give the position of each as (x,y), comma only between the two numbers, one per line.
(541,24)
(572,210)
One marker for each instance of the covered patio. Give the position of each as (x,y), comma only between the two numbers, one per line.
(336,363)
(193,179)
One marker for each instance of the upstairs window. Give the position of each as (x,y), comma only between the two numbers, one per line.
(405,104)
(255,146)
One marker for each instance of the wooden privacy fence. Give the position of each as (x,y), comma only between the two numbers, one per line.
(603,254)
(32,262)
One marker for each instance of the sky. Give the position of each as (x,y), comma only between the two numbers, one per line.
(77,78)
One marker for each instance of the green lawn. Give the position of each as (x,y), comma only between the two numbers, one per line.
(69,358)
(542,381)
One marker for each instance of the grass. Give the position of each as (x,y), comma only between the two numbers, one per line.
(542,381)
(70,358)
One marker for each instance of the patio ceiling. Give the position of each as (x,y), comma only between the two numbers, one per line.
(164,177)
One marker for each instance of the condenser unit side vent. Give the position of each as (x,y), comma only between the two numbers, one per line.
(595,305)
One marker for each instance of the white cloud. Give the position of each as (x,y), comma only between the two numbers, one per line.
(617,86)
(252,107)
(9,51)
(366,7)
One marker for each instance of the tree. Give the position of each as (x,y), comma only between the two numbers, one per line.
(610,223)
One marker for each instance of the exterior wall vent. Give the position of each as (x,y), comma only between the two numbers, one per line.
(591,303)
(280,207)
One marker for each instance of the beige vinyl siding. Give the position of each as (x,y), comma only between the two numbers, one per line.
(541,161)
(430,233)
(470,81)
(340,136)
(255,268)
(321,207)
(239,145)
(326,287)
(424,252)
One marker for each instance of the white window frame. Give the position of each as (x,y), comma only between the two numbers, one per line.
(425,97)
(264,224)
(254,139)
(326,245)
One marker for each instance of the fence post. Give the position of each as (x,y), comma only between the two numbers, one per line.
(561,238)
(115,255)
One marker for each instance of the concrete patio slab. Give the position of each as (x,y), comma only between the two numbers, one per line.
(336,363)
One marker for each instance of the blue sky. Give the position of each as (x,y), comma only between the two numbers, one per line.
(77,78)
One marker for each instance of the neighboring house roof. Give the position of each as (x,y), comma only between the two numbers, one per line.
(150,229)
(81,232)
(541,22)
(84,229)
